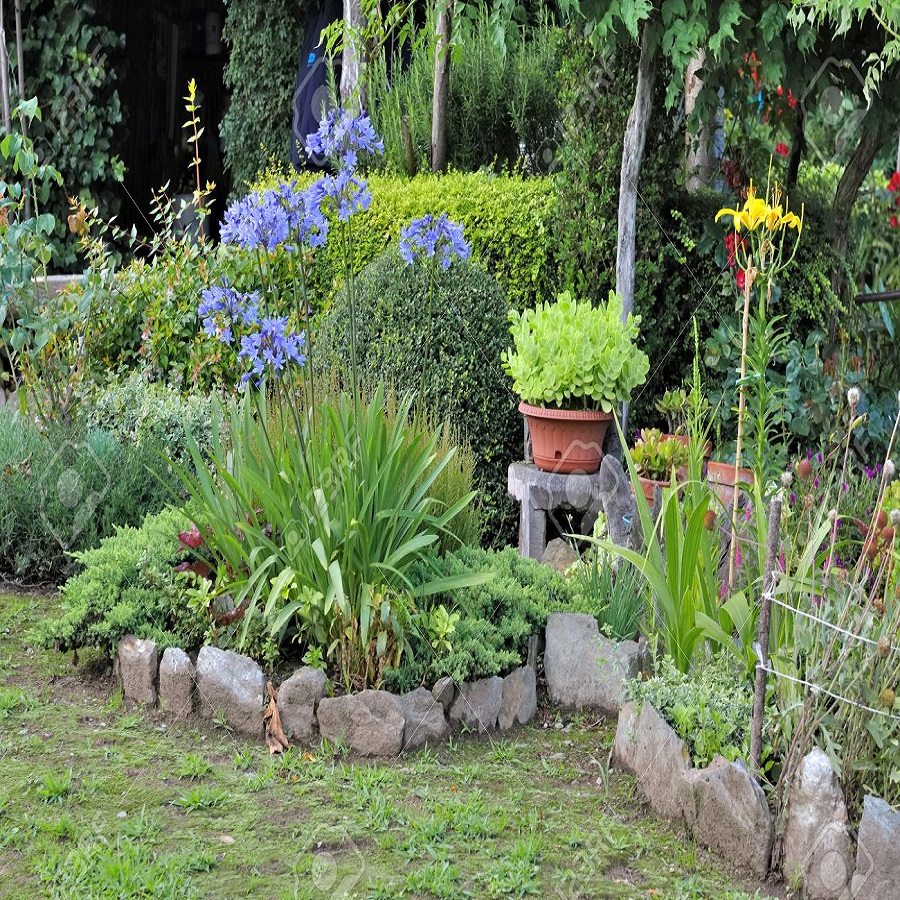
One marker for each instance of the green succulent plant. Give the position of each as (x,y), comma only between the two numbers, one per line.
(573,355)
(656,456)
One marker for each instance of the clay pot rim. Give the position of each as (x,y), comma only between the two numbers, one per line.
(552,412)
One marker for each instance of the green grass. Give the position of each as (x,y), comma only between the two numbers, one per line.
(97,802)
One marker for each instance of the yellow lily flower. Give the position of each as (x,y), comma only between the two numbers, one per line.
(735,215)
(791,220)
(774,218)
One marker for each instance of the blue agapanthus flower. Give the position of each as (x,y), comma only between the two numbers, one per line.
(341,136)
(430,236)
(271,348)
(257,220)
(223,308)
(345,194)
(306,221)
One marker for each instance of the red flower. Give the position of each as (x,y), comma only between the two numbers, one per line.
(782,149)
(741,278)
(192,538)
(895,222)
(894,184)
(780,90)
(792,100)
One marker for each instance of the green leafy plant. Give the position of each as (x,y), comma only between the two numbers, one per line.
(575,355)
(317,534)
(709,707)
(675,564)
(126,586)
(657,456)
(496,617)
(672,406)
(64,489)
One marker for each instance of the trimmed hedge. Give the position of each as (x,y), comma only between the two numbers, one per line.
(507,220)
(464,380)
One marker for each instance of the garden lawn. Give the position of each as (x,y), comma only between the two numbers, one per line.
(100,802)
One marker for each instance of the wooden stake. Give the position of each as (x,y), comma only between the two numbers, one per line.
(770,576)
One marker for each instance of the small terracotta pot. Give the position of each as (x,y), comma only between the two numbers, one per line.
(721,479)
(648,484)
(566,440)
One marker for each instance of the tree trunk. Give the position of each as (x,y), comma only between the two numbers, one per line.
(700,162)
(632,154)
(4,73)
(441,89)
(352,89)
(798,148)
(20,65)
(845,196)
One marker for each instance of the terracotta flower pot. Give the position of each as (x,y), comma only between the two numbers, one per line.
(721,479)
(648,484)
(566,440)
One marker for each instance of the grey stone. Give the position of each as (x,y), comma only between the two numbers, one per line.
(816,841)
(138,669)
(231,685)
(298,698)
(618,502)
(649,749)
(443,691)
(425,720)
(730,814)
(539,493)
(583,668)
(369,723)
(560,555)
(477,705)
(519,700)
(176,683)
(877,867)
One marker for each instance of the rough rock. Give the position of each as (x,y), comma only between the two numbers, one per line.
(298,698)
(877,866)
(176,683)
(477,705)
(370,723)
(138,668)
(518,703)
(730,814)
(443,691)
(425,720)
(583,668)
(617,500)
(233,686)
(816,841)
(560,555)
(649,749)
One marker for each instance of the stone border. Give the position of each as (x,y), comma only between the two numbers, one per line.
(725,810)
(223,685)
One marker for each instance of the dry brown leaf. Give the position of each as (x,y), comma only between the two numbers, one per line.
(275,738)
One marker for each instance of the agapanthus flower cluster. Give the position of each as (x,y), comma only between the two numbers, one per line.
(265,344)
(429,236)
(341,137)
(345,194)
(269,349)
(276,217)
(223,309)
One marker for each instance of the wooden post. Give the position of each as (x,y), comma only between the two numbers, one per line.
(441,88)
(632,154)
(770,576)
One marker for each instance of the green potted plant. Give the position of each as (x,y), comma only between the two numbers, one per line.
(572,364)
(656,456)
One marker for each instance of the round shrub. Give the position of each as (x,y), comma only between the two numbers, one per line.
(463,381)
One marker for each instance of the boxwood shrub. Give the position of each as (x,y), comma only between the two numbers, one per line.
(464,380)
